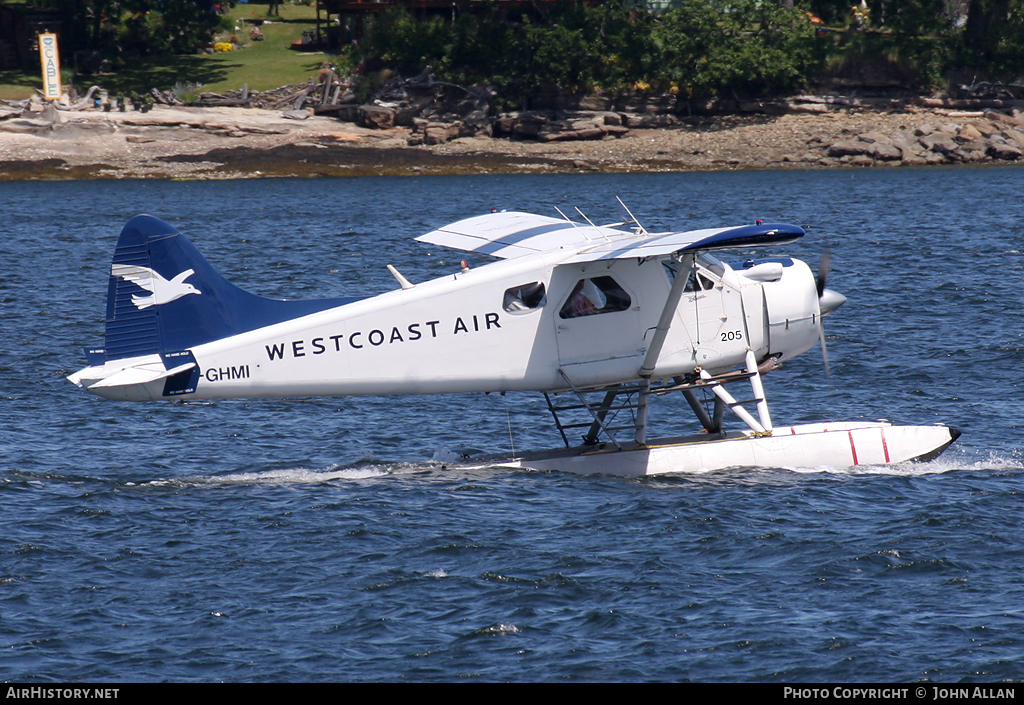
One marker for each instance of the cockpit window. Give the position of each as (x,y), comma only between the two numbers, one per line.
(595,296)
(695,280)
(520,299)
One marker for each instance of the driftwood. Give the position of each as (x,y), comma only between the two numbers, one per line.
(224,103)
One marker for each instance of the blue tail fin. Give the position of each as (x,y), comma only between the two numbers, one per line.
(165,298)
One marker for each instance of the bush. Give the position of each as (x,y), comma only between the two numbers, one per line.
(748,48)
(702,49)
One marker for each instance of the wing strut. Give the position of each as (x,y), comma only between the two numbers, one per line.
(665,321)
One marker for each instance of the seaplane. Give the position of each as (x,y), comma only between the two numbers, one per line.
(601,320)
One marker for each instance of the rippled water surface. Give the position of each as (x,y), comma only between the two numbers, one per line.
(333,539)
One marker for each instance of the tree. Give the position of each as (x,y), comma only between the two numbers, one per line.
(993,38)
(122,29)
(739,48)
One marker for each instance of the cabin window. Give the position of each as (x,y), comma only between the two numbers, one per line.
(593,296)
(520,299)
(695,280)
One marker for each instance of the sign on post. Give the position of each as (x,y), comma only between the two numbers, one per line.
(50,61)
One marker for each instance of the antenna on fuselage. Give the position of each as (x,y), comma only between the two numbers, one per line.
(591,222)
(585,217)
(640,230)
(571,222)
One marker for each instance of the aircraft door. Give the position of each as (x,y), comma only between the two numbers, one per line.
(711,314)
(597,319)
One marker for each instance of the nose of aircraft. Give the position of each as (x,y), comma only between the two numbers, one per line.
(829,301)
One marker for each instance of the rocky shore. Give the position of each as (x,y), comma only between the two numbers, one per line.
(218,142)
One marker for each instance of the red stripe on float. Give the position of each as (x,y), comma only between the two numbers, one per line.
(885,446)
(853,448)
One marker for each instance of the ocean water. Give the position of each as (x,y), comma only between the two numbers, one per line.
(333,539)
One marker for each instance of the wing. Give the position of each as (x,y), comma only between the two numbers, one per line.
(513,234)
(662,244)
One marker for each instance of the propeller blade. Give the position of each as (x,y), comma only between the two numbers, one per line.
(824,350)
(828,301)
(823,269)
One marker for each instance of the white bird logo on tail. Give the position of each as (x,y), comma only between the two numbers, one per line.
(161,290)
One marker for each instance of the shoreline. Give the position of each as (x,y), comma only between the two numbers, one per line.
(231,143)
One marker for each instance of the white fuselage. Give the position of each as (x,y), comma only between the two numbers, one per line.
(456,333)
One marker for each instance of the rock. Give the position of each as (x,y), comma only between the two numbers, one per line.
(476,124)
(438,132)
(873,137)
(939,142)
(528,124)
(376,117)
(1013,136)
(1000,118)
(987,129)
(635,121)
(886,151)
(845,148)
(969,133)
(998,150)
(504,125)
(975,151)
(908,145)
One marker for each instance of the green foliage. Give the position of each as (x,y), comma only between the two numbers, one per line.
(121,30)
(739,48)
(405,43)
(187,93)
(702,49)
(993,39)
(705,48)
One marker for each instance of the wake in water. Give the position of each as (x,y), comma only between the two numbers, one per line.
(946,463)
(368,466)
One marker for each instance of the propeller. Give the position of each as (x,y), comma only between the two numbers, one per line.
(828,301)
(824,267)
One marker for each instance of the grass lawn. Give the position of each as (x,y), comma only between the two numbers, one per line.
(262,65)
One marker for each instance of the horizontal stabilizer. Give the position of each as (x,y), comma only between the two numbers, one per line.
(142,374)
